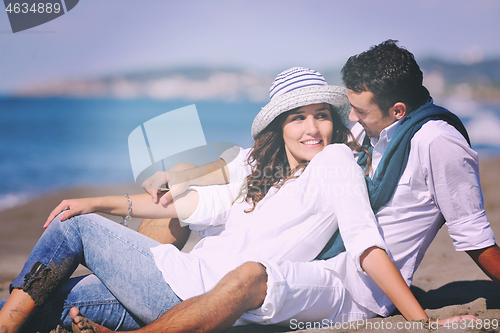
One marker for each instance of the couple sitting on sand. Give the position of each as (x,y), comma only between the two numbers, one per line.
(275,254)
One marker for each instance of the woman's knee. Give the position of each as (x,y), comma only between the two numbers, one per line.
(56,223)
(73,223)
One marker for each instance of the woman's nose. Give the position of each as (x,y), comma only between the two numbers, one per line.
(311,125)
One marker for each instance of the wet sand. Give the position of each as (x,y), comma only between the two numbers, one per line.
(447,282)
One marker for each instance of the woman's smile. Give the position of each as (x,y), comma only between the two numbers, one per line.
(312,142)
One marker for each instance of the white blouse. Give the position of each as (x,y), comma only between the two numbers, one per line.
(293,223)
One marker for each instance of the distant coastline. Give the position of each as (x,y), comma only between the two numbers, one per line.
(480,81)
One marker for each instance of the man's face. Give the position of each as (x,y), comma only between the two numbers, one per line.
(367,113)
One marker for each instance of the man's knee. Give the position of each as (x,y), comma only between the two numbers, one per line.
(183,166)
(252,272)
(251,277)
(165,231)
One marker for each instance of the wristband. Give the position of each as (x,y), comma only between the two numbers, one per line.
(128,217)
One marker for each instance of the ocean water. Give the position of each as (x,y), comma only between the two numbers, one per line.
(48,144)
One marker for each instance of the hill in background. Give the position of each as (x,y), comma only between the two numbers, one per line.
(478,81)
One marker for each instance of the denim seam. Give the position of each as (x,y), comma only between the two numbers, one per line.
(92,303)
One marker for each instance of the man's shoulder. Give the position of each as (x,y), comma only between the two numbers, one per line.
(434,129)
(438,141)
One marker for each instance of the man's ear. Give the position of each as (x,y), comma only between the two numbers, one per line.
(399,110)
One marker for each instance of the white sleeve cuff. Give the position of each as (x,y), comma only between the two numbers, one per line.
(473,233)
(212,210)
(361,244)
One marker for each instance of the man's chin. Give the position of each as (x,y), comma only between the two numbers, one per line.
(371,134)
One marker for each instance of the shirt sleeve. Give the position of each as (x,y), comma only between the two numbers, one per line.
(215,201)
(452,173)
(210,216)
(347,195)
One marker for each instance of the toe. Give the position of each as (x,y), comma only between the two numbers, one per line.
(74,313)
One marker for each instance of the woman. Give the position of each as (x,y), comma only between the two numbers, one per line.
(296,197)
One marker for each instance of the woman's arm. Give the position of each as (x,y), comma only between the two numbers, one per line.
(381,269)
(142,206)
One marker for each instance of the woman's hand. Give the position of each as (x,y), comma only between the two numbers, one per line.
(71,208)
(456,319)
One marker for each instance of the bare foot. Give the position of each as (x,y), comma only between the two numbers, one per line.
(83,325)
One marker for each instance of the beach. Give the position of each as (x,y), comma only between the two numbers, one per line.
(447,282)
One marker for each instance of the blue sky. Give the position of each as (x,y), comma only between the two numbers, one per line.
(111,36)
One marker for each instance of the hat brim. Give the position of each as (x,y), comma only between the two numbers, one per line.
(333,95)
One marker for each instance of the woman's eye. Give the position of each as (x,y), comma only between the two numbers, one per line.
(322,116)
(296,118)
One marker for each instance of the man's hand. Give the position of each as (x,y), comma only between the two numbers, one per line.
(181,176)
(71,208)
(152,184)
(175,186)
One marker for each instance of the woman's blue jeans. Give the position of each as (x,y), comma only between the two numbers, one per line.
(126,290)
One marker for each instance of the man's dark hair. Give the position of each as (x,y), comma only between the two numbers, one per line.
(390,72)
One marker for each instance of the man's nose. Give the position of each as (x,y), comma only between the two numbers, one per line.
(352,115)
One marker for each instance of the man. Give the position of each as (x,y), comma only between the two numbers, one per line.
(423,172)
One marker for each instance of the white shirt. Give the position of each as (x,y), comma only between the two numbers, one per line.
(440,182)
(292,223)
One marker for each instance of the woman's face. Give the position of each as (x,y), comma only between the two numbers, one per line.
(306,131)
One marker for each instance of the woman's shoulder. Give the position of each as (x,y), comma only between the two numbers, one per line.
(333,158)
(335,164)
(340,148)
(335,152)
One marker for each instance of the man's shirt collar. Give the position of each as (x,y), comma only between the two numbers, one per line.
(386,134)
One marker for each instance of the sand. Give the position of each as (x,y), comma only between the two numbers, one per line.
(447,282)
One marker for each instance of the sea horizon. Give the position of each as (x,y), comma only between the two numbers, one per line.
(53,144)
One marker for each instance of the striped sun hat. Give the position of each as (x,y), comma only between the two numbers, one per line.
(298,87)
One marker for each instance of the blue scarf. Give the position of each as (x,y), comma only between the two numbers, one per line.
(393,162)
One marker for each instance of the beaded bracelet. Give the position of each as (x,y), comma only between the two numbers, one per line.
(128,217)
